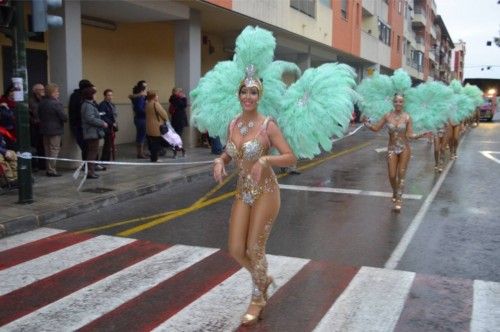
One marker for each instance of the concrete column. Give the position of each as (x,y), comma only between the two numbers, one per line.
(188,62)
(65,63)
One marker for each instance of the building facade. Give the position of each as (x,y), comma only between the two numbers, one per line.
(458,61)
(116,43)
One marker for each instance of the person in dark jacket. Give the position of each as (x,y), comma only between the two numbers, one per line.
(93,128)
(138,99)
(108,113)
(52,119)
(75,116)
(177,110)
(37,94)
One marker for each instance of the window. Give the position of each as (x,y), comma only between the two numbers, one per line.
(307,7)
(398,42)
(343,8)
(384,33)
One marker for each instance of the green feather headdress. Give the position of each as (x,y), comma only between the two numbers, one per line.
(309,112)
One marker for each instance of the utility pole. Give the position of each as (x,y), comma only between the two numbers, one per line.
(19,39)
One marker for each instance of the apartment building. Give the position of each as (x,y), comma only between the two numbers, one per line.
(457,61)
(116,43)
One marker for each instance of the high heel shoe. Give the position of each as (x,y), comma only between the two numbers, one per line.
(397,205)
(250,319)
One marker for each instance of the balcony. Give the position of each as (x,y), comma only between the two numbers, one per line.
(419,19)
(374,50)
(433,32)
(432,56)
(369,6)
(419,44)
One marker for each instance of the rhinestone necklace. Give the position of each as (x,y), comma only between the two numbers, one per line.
(245,127)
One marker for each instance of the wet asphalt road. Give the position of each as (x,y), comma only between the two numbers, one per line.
(459,235)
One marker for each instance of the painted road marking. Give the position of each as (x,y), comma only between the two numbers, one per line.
(89,303)
(378,150)
(346,191)
(352,299)
(25,273)
(224,300)
(489,155)
(20,239)
(403,244)
(373,301)
(486,307)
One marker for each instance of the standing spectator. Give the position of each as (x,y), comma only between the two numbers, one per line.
(177,110)
(108,113)
(93,128)
(215,145)
(37,94)
(52,119)
(8,162)
(155,116)
(7,108)
(8,96)
(75,116)
(138,99)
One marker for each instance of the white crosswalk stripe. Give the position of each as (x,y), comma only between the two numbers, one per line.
(89,303)
(229,297)
(28,272)
(486,307)
(373,301)
(24,238)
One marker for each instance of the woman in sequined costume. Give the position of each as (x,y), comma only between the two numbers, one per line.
(400,128)
(250,136)
(440,141)
(453,136)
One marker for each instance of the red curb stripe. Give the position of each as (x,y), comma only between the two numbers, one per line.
(39,248)
(437,304)
(303,301)
(158,304)
(45,291)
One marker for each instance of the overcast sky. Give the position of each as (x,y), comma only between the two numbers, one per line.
(475,22)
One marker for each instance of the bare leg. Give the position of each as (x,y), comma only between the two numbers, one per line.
(392,167)
(238,232)
(404,159)
(437,151)
(456,134)
(262,216)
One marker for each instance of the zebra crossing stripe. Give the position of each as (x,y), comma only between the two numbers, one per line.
(215,310)
(20,239)
(89,303)
(486,307)
(25,273)
(45,291)
(151,308)
(112,283)
(373,301)
(35,249)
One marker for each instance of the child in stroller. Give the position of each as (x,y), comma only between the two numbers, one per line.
(173,141)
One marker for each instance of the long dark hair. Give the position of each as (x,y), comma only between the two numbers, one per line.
(88,93)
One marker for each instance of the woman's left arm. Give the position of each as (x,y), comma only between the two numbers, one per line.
(409,130)
(286,157)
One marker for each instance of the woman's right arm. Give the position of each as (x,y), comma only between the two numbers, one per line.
(379,125)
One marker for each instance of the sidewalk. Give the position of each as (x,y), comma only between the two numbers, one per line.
(58,198)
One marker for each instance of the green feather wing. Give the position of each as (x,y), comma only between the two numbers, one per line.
(214,102)
(254,46)
(317,107)
(377,93)
(274,87)
(401,81)
(428,106)
(474,93)
(461,105)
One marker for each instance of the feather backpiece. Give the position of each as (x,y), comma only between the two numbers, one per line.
(377,93)
(428,106)
(401,81)
(317,107)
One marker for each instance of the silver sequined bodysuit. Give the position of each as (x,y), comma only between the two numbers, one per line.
(245,157)
(397,137)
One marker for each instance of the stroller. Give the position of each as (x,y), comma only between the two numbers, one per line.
(173,140)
